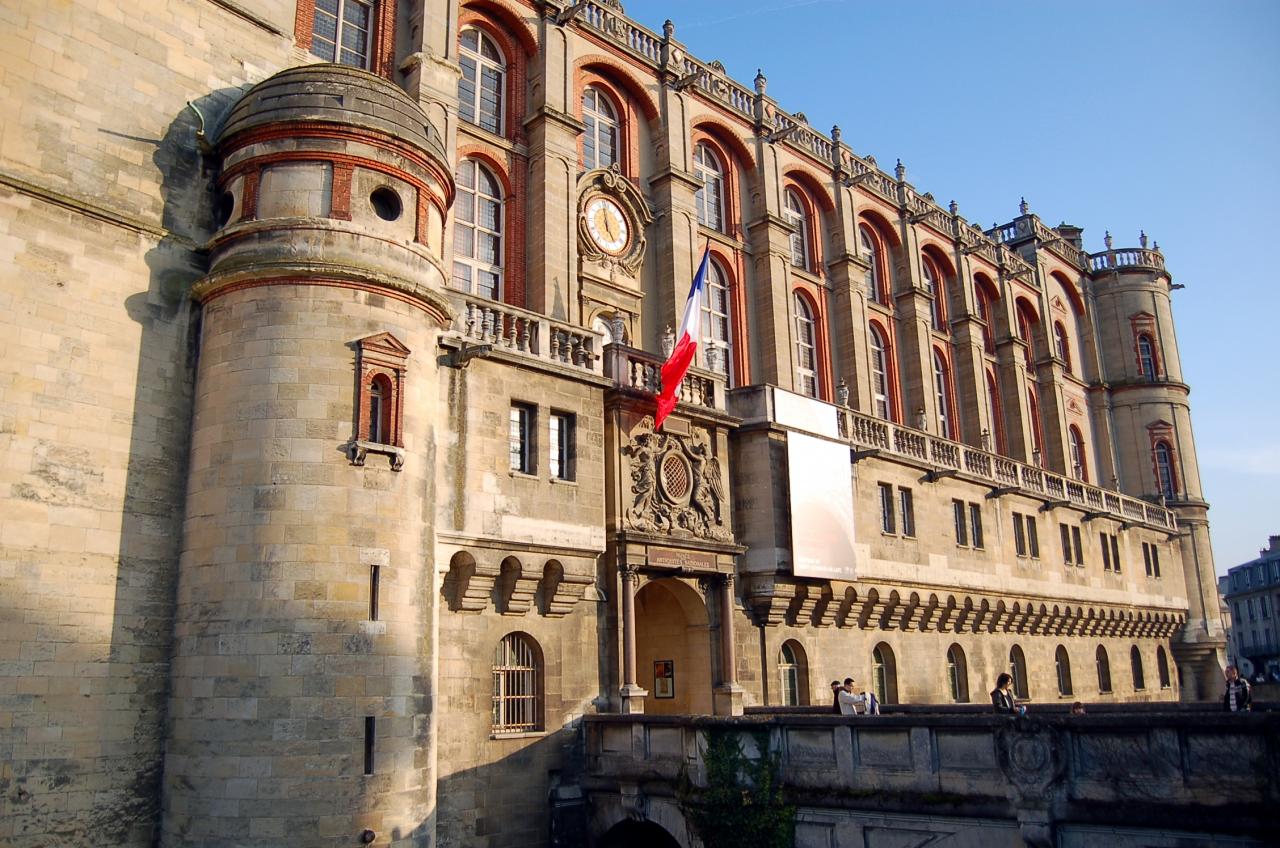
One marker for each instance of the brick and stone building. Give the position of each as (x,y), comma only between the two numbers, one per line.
(1251,591)
(332,499)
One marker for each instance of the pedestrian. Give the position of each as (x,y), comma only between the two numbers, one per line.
(1002,696)
(848,699)
(1237,697)
(835,697)
(1077,709)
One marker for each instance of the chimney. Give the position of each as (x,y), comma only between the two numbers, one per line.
(1273,545)
(1072,233)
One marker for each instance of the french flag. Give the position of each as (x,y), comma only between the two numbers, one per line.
(677,365)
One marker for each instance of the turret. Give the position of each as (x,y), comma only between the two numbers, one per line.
(302,677)
(1153,447)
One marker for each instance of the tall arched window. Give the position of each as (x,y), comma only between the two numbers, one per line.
(1037,431)
(806,348)
(1104,670)
(934,285)
(1162,666)
(1064,349)
(884,674)
(716,328)
(517,685)
(600,139)
(1018,671)
(1135,663)
(982,301)
(1026,331)
(1062,662)
(995,416)
(958,674)
(795,214)
(480,89)
(876,288)
(477,231)
(794,673)
(1164,469)
(710,197)
(1146,357)
(1079,467)
(380,410)
(881,402)
(942,395)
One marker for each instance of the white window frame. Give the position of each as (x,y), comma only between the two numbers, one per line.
(599,115)
(710,172)
(942,394)
(520,444)
(341,25)
(717,323)
(797,217)
(880,397)
(560,445)
(806,347)
(474,58)
(473,264)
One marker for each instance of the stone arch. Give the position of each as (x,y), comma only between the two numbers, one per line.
(673,625)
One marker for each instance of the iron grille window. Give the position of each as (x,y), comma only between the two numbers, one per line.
(516,699)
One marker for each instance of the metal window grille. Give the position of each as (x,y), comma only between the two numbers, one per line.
(515,686)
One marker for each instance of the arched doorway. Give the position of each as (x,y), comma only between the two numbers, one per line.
(637,834)
(672,629)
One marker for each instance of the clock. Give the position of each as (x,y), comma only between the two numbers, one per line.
(607,225)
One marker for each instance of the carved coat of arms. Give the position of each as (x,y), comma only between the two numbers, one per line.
(677,485)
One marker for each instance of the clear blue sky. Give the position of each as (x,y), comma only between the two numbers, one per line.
(1120,116)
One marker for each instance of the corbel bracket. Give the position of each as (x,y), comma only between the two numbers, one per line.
(782,134)
(940,474)
(567,14)
(1001,491)
(856,456)
(688,80)
(857,179)
(1089,516)
(1048,505)
(462,356)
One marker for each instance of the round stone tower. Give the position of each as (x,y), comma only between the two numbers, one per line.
(1154,451)
(302,677)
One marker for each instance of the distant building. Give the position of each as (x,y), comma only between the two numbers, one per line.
(1252,593)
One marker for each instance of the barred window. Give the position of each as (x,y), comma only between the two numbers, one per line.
(517,695)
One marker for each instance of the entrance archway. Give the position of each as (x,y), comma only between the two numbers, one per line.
(637,834)
(672,627)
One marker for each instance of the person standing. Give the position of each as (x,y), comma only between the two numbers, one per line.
(836,688)
(1237,697)
(848,699)
(1002,696)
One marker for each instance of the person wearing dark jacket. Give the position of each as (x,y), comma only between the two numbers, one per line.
(1237,697)
(1002,697)
(835,696)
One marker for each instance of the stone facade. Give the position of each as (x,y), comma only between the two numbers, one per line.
(308,534)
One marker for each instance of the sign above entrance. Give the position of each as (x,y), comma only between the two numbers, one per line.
(821,508)
(680,558)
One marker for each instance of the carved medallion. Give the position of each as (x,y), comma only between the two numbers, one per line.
(677,485)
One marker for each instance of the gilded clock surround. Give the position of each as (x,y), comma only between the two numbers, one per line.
(610,184)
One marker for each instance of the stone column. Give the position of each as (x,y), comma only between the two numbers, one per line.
(632,695)
(728,695)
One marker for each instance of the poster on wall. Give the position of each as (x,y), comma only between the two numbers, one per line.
(821,490)
(664,679)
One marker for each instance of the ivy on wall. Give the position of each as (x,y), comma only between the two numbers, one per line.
(742,805)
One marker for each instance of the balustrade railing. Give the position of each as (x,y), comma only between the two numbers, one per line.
(1129,257)
(869,432)
(517,330)
(630,368)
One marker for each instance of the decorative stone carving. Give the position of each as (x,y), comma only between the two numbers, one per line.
(610,183)
(678,485)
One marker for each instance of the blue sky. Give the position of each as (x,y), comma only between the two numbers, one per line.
(1120,116)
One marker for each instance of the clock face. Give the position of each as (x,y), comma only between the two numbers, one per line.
(607,225)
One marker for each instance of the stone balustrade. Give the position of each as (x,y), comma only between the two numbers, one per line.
(1128,257)
(875,434)
(638,370)
(1143,776)
(519,331)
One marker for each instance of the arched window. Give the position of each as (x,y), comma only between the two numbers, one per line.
(982,301)
(1164,469)
(1135,663)
(1064,349)
(1018,671)
(477,231)
(880,400)
(600,140)
(1026,331)
(995,416)
(794,673)
(1037,431)
(1063,664)
(806,348)
(1146,357)
(1104,670)
(480,90)
(876,288)
(884,674)
(710,197)
(958,674)
(942,394)
(936,288)
(1162,666)
(517,685)
(1079,467)
(796,217)
(716,329)
(380,410)
(340,31)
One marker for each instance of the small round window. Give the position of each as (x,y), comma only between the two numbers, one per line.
(386,203)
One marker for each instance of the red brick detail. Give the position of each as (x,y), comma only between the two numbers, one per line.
(383,41)
(1144,324)
(249,193)
(517,52)
(340,193)
(423,218)
(382,357)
